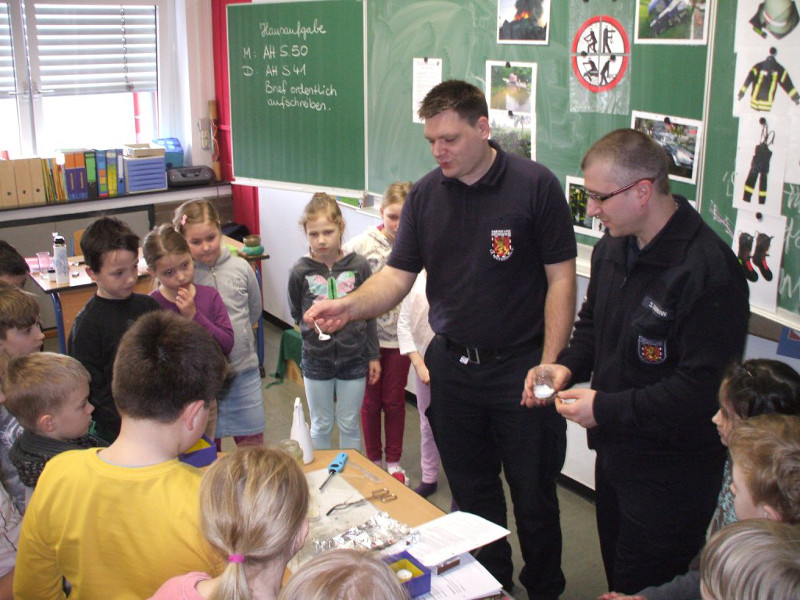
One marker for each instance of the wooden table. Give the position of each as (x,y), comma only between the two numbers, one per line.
(409,508)
(69,298)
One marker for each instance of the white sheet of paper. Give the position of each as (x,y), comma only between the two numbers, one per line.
(453,534)
(427,74)
(466,581)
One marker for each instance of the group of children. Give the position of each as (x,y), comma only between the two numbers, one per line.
(121,517)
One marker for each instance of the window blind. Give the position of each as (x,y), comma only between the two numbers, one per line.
(6,57)
(91,49)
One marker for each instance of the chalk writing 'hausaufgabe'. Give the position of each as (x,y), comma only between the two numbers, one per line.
(300,30)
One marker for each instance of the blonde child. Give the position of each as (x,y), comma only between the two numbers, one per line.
(253,503)
(387,395)
(20,333)
(752,560)
(414,334)
(48,393)
(345,575)
(241,410)
(337,366)
(755,387)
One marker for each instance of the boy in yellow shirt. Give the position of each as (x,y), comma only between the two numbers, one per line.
(117,522)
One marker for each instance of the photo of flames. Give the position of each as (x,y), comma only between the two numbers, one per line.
(523,21)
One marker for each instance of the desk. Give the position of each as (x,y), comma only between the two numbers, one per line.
(409,508)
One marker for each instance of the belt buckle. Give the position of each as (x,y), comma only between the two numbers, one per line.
(468,357)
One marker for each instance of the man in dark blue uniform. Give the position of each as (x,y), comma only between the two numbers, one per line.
(665,313)
(495,234)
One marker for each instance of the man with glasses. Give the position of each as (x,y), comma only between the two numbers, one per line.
(665,313)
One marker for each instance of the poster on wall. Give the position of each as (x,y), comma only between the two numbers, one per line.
(758,243)
(793,151)
(672,22)
(523,21)
(760,163)
(577,200)
(681,139)
(767,23)
(764,81)
(600,55)
(511,96)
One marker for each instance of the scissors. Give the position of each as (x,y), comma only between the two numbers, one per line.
(381,495)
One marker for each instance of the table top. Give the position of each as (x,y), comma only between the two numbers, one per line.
(409,508)
(79,279)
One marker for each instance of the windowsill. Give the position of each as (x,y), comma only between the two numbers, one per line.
(40,211)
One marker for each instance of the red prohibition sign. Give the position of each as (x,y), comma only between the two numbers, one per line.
(595,49)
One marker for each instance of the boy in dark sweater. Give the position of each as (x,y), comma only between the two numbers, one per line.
(111,252)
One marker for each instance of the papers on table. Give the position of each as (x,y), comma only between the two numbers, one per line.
(468,581)
(451,535)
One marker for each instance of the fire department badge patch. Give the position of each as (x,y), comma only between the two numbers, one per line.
(501,244)
(652,352)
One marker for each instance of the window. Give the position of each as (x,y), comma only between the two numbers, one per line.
(80,73)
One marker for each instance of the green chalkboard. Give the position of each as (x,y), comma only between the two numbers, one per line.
(464,34)
(297,92)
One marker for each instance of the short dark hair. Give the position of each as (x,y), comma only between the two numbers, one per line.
(106,234)
(761,385)
(11,261)
(18,308)
(165,362)
(468,101)
(633,155)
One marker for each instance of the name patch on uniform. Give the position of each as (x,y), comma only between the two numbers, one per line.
(652,352)
(656,308)
(501,244)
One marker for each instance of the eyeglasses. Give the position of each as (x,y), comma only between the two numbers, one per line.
(603,197)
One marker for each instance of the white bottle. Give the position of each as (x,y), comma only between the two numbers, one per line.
(60,259)
(301,433)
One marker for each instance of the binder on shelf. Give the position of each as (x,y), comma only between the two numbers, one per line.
(22,175)
(37,180)
(120,173)
(111,171)
(102,174)
(91,174)
(8,185)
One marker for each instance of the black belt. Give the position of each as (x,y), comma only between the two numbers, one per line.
(471,354)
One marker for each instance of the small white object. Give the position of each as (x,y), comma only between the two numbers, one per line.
(543,383)
(301,433)
(404,574)
(323,337)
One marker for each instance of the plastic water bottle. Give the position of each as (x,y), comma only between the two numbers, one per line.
(301,433)
(60,258)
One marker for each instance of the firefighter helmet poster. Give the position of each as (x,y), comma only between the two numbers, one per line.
(523,21)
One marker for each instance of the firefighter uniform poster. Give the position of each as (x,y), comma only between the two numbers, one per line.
(760,164)
(600,55)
